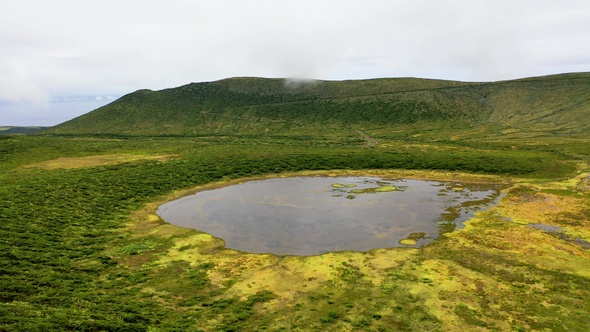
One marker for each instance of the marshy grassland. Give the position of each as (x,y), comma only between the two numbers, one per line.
(81,248)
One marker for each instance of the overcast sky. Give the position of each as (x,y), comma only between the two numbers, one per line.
(63,58)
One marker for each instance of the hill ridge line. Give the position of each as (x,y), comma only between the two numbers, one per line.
(265,105)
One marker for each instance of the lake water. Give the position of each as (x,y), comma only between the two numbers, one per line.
(313,215)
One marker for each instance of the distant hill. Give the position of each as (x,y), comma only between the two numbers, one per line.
(557,103)
(20,130)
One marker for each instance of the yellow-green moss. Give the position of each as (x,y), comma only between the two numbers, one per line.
(476,279)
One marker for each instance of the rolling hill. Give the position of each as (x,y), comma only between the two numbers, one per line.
(19,129)
(557,104)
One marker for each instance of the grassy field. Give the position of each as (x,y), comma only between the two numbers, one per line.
(81,248)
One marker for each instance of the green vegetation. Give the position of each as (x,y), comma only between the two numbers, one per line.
(381,189)
(340,185)
(9,130)
(81,248)
(253,106)
(413,238)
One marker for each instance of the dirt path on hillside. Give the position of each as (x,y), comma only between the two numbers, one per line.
(371,142)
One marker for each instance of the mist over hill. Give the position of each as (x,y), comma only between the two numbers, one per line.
(557,104)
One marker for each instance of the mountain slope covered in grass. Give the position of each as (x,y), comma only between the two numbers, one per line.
(555,104)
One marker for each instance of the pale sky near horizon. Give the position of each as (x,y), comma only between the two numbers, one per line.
(63,58)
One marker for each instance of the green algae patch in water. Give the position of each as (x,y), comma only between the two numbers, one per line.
(340,185)
(413,238)
(382,189)
(314,215)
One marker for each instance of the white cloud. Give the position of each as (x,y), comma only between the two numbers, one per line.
(17,84)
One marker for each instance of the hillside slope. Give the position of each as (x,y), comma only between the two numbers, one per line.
(558,103)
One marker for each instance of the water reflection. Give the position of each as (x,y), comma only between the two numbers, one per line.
(311,215)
